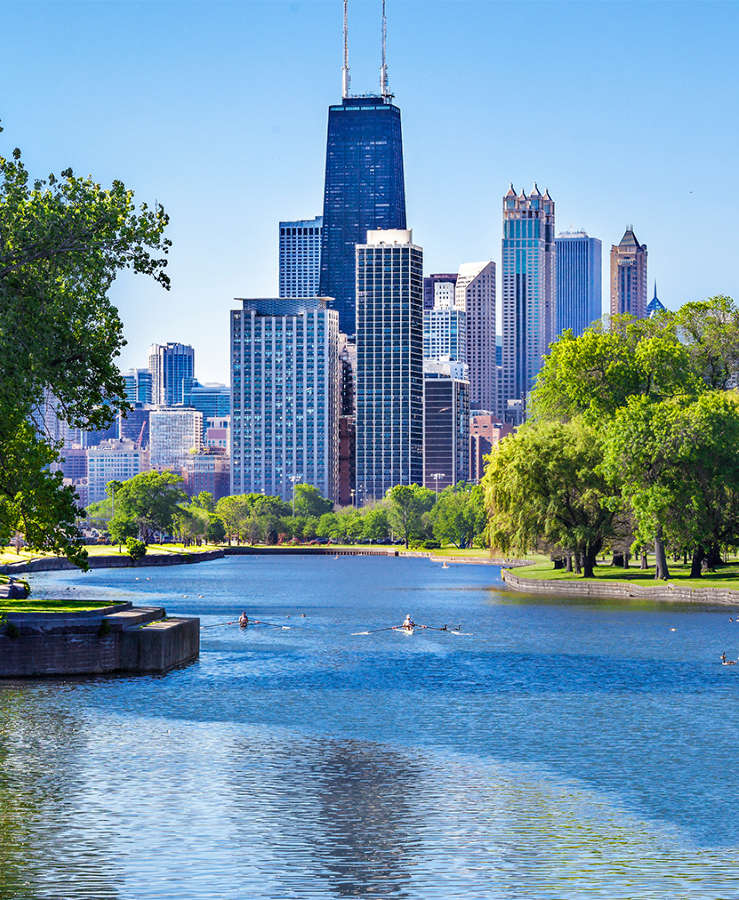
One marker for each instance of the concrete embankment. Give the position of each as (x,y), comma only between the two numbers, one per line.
(120,638)
(668,591)
(110,561)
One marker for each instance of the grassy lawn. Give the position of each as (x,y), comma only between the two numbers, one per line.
(8,554)
(29,605)
(725,577)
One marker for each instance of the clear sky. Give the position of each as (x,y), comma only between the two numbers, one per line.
(627,112)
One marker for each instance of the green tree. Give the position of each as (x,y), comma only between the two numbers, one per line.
(121,527)
(136,548)
(406,505)
(710,331)
(63,240)
(309,502)
(545,482)
(233,511)
(204,500)
(375,525)
(678,467)
(459,515)
(151,499)
(216,532)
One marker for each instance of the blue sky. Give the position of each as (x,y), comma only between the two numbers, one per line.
(627,112)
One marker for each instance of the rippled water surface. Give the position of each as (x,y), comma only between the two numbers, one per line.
(559,750)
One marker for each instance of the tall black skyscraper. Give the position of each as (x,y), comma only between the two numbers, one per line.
(364,188)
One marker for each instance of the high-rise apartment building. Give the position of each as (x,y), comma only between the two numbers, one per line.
(446,424)
(284,396)
(438,290)
(629,276)
(300,257)
(174,433)
(364,191)
(485,432)
(389,363)
(475,294)
(170,364)
(529,265)
(579,287)
(138,386)
(445,333)
(213,400)
(112,460)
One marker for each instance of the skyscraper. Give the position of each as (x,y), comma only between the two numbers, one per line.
(528,291)
(174,432)
(446,424)
(213,400)
(438,288)
(579,288)
(364,188)
(138,386)
(445,333)
(300,257)
(629,276)
(655,305)
(284,396)
(475,294)
(170,364)
(389,363)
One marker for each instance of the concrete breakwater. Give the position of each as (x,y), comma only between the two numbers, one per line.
(661,591)
(120,638)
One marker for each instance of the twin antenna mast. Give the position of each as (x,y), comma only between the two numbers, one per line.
(345,76)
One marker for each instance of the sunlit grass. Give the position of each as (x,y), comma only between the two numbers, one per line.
(29,605)
(724,577)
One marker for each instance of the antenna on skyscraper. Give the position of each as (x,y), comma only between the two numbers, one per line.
(345,79)
(384,90)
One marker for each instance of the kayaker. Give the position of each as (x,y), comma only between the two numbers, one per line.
(243,620)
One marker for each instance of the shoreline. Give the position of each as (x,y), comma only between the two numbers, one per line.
(665,592)
(185,557)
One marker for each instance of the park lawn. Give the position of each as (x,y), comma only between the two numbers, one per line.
(29,605)
(725,577)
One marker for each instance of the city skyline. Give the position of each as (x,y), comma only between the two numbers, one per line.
(269,155)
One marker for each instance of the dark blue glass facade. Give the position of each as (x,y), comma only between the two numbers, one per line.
(364,191)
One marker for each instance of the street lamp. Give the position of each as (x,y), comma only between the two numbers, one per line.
(353,495)
(295,479)
(436,476)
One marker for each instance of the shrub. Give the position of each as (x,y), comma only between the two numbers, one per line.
(135,548)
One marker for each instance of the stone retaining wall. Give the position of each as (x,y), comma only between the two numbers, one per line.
(661,591)
(59,563)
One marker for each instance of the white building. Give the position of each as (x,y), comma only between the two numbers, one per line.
(284,396)
(174,432)
(475,294)
(112,460)
(300,257)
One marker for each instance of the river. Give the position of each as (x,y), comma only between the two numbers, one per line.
(558,749)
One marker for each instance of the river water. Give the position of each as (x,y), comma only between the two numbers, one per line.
(560,749)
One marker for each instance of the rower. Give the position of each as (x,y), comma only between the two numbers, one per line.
(408,623)
(243,620)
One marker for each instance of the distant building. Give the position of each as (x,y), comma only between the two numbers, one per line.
(74,463)
(208,470)
(134,426)
(528,293)
(170,364)
(485,432)
(364,190)
(300,257)
(347,425)
(445,333)
(629,276)
(138,386)
(112,460)
(389,363)
(446,429)
(438,290)
(218,432)
(175,432)
(213,400)
(579,288)
(655,307)
(285,395)
(475,294)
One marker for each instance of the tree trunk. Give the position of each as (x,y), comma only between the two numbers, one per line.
(660,559)
(569,562)
(627,556)
(714,556)
(578,557)
(644,563)
(696,563)
(588,562)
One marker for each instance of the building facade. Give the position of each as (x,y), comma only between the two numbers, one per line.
(133,425)
(170,364)
(138,386)
(445,334)
(174,433)
(389,363)
(629,276)
(485,432)
(364,190)
(475,294)
(655,305)
(579,285)
(284,396)
(213,400)
(446,424)
(300,257)
(529,266)
(112,460)
(438,290)
(208,470)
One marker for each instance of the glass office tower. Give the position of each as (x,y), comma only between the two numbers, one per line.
(364,191)
(579,290)
(389,363)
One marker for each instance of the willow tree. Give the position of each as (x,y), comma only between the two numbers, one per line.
(63,240)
